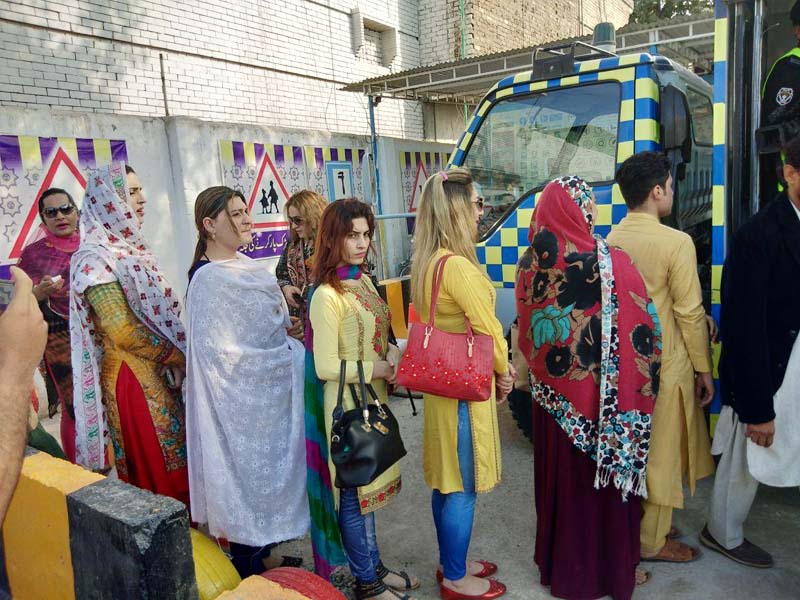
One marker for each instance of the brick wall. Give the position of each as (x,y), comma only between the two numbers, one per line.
(272,62)
(440,30)
(501,25)
(495,25)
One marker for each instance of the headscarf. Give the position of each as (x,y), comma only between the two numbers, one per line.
(112,249)
(587,326)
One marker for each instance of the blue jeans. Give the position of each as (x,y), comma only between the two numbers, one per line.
(453,513)
(358,537)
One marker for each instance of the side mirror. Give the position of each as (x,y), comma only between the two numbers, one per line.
(676,123)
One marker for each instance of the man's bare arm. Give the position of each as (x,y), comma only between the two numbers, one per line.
(23,335)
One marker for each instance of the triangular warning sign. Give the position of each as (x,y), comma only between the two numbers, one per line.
(419,180)
(268,198)
(60,160)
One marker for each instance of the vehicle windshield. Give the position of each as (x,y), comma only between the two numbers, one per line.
(526,141)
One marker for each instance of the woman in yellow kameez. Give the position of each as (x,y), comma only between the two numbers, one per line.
(350,322)
(127,344)
(461,443)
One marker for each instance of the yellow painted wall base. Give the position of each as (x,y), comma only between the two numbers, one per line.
(36,529)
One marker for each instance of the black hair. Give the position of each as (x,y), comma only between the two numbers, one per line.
(791,152)
(639,174)
(794,14)
(52,192)
(129,170)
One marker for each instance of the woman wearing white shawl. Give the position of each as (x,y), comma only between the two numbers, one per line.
(244,386)
(126,334)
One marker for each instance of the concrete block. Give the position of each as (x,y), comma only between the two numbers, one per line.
(143,537)
(99,538)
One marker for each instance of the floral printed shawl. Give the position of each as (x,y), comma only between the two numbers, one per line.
(590,335)
(112,249)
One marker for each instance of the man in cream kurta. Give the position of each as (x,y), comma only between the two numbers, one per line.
(667,262)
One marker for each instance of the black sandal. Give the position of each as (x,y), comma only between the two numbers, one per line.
(382,571)
(369,590)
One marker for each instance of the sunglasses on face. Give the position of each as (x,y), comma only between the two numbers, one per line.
(480,202)
(51,211)
(297,220)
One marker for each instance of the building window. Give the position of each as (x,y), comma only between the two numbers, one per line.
(373,41)
(372,49)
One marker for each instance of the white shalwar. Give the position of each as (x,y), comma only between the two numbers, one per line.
(244,406)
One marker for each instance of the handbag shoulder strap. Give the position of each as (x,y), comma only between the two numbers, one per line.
(436,284)
(342,377)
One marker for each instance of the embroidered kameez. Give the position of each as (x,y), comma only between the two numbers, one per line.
(145,418)
(352,326)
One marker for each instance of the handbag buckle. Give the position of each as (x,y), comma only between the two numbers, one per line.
(428,332)
(470,344)
(366,425)
(335,438)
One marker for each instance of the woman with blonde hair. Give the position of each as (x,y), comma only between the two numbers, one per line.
(303,211)
(461,444)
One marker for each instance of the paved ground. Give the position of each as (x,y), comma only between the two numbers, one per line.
(505,528)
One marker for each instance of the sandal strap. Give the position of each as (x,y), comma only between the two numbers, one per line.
(398,594)
(382,571)
(370,590)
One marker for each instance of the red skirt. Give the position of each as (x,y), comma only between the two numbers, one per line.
(587,540)
(147,468)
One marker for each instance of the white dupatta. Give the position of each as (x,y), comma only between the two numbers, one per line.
(244,406)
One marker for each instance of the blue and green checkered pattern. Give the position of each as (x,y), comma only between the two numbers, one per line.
(638,131)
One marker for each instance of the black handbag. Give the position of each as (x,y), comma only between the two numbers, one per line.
(365,441)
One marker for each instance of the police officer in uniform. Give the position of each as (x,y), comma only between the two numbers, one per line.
(780,97)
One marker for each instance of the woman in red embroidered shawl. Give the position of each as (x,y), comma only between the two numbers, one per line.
(590,336)
(45,260)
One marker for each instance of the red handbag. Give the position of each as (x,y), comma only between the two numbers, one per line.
(453,365)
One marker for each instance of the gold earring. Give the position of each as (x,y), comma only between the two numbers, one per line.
(213,236)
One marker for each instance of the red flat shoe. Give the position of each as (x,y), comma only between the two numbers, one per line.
(496,589)
(489,568)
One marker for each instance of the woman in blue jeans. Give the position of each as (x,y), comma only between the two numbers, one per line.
(461,443)
(349,322)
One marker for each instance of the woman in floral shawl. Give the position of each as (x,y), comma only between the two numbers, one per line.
(590,338)
(128,344)
(303,210)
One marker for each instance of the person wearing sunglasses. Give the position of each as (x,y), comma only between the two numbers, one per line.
(46,261)
(303,211)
